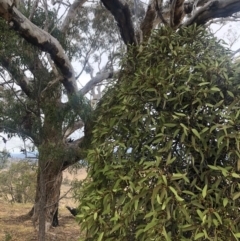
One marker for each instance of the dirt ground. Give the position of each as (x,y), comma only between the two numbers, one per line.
(15,228)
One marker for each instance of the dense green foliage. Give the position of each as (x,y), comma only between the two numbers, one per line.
(164,163)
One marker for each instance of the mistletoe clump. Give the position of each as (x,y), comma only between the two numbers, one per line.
(165,158)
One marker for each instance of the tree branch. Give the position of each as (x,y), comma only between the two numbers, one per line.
(120,10)
(42,40)
(71,14)
(148,22)
(69,130)
(214,9)
(177,13)
(97,79)
(74,150)
(19,76)
(33,9)
(235,52)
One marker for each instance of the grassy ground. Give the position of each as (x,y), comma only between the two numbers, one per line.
(14,228)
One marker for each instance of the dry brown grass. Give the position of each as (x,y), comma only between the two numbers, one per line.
(15,228)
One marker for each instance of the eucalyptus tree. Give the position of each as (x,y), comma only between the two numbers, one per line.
(34,104)
(42,71)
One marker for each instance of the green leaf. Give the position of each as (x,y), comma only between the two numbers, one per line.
(237,235)
(233,174)
(150,214)
(213,167)
(177,176)
(236,195)
(136,204)
(170,160)
(170,124)
(204,191)
(164,178)
(198,235)
(225,202)
(150,225)
(195,132)
(180,114)
(200,214)
(165,234)
(230,93)
(140,231)
(204,83)
(100,236)
(176,195)
(218,217)
(215,89)
(215,222)
(116,227)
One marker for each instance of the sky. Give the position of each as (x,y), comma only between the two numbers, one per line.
(228,33)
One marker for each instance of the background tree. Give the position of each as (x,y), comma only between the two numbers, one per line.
(4,155)
(48,50)
(35,106)
(18,182)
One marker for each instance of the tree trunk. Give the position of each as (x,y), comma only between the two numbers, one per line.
(40,206)
(49,180)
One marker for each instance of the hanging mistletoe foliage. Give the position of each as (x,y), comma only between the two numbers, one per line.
(166,145)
